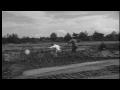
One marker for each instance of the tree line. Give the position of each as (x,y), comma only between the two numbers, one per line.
(82,36)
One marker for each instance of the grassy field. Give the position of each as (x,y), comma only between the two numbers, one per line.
(44,45)
(21,62)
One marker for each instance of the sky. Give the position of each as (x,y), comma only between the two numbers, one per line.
(43,23)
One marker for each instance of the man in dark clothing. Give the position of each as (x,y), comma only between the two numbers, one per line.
(74,46)
(102,46)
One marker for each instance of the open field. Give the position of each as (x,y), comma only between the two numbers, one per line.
(44,45)
(20,62)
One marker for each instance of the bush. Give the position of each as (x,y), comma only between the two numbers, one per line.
(16,70)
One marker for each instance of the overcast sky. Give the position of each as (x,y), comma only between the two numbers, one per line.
(43,23)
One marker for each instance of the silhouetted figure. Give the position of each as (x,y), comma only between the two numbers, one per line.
(74,46)
(102,46)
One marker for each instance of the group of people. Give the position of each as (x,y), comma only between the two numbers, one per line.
(73,41)
(58,48)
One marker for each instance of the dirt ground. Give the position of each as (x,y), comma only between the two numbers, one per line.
(90,67)
(115,76)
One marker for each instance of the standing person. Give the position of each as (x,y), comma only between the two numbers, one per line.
(74,46)
(56,47)
(102,46)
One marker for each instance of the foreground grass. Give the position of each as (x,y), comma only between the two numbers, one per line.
(11,70)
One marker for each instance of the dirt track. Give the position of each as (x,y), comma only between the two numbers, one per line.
(71,69)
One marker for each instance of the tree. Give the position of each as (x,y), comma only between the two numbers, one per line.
(67,37)
(12,38)
(90,38)
(98,36)
(53,37)
(112,36)
(118,36)
(34,40)
(75,35)
(4,40)
(27,40)
(59,39)
(83,36)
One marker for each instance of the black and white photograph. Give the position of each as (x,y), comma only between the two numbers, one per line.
(60,45)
